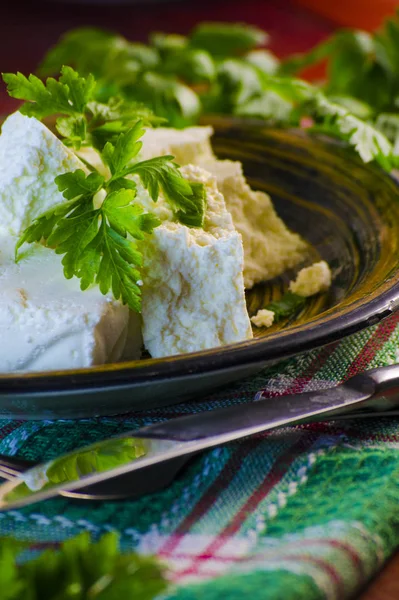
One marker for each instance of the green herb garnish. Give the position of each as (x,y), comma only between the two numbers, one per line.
(81,570)
(227,39)
(85,121)
(97,226)
(98,241)
(288,306)
(220,69)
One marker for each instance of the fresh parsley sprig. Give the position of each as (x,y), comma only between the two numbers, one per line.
(79,569)
(96,234)
(176,76)
(287,306)
(94,241)
(85,121)
(156,174)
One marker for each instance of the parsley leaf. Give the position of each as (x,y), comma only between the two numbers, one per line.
(126,148)
(43,99)
(156,174)
(193,65)
(78,184)
(187,199)
(167,97)
(94,241)
(288,306)
(97,227)
(239,81)
(81,568)
(87,121)
(107,55)
(226,39)
(388,124)
(368,141)
(167,43)
(264,60)
(269,105)
(359,65)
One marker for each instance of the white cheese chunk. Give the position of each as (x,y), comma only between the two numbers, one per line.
(269,247)
(193,292)
(30,158)
(47,322)
(188,146)
(263,318)
(312,280)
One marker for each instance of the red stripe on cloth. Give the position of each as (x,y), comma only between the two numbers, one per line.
(374,344)
(349,431)
(307,375)
(10,428)
(370,349)
(340,545)
(351,552)
(277,472)
(325,566)
(222,481)
(333,574)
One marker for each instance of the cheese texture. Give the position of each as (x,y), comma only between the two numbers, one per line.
(30,158)
(312,280)
(189,146)
(193,291)
(263,318)
(269,246)
(47,322)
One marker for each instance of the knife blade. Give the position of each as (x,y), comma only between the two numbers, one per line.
(161,443)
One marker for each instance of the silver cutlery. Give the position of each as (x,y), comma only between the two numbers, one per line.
(146,460)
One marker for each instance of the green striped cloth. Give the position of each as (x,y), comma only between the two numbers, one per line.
(306,512)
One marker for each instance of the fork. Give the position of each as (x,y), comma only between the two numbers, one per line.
(131,486)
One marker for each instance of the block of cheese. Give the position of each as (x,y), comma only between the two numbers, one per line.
(189,146)
(30,158)
(193,289)
(269,246)
(47,322)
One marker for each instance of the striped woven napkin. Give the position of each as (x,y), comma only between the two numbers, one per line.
(305,512)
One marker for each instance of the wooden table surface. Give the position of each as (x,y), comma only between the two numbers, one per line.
(28,28)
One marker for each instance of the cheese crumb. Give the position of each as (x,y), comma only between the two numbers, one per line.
(312,280)
(263,318)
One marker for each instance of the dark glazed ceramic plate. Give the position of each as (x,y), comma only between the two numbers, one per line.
(349,212)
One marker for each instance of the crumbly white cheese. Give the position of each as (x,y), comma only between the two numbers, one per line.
(47,322)
(312,280)
(263,318)
(193,291)
(30,158)
(269,247)
(188,146)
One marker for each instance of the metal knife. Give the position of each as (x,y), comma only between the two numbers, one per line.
(160,449)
